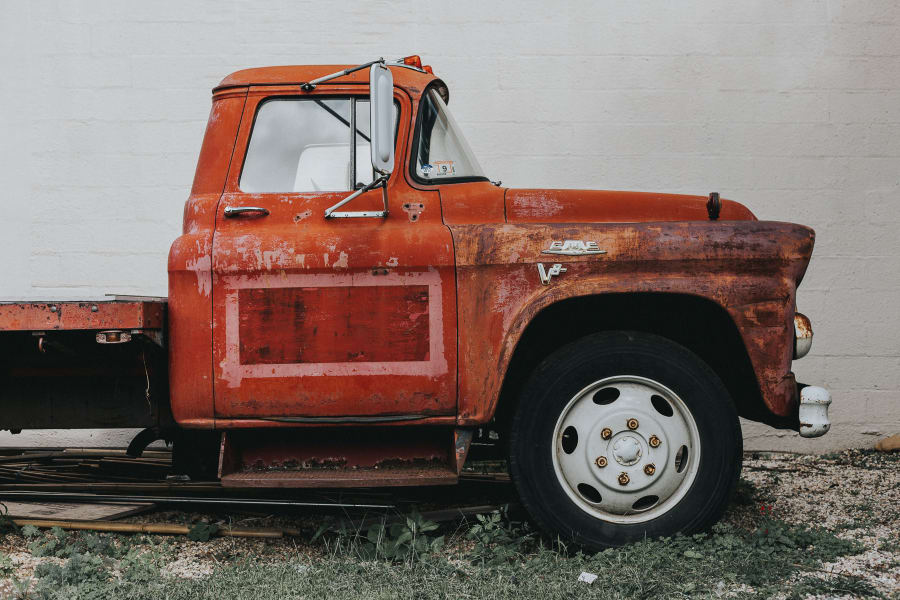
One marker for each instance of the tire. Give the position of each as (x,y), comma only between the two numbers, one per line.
(618,391)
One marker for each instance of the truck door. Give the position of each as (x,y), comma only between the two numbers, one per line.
(318,319)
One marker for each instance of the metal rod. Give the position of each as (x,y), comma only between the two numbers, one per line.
(359,192)
(163,528)
(74,497)
(312,84)
(337,116)
(353,143)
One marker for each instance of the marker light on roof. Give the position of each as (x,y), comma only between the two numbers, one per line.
(413,61)
(427,69)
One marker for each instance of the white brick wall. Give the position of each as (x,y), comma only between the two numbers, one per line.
(791,106)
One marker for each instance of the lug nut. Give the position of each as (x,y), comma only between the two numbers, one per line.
(632,423)
(654,441)
(606,433)
(601,461)
(623,479)
(650,469)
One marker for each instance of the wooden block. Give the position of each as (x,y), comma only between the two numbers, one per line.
(72,510)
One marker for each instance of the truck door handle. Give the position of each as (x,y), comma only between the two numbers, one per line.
(238,211)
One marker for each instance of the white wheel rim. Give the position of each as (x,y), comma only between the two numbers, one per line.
(641,479)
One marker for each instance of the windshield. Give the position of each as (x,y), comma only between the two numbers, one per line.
(442,152)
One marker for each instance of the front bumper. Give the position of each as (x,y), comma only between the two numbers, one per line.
(813,411)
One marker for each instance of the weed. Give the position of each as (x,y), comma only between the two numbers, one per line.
(63,544)
(6,565)
(7,525)
(202,531)
(497,539)
(92,576)
(80,568)
(56,543)
(404,541)
(833,585)
(30,531)
(139,567)
(22,588)
(82,576)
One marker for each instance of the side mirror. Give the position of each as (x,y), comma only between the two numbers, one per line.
(381,118)
(381,136)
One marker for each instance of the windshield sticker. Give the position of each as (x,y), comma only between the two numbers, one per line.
(427,169)
(443,168)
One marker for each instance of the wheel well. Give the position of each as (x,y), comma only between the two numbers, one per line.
(699,324)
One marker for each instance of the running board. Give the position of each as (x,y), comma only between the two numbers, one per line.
(342,457)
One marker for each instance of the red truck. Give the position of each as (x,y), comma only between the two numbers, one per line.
(352,302)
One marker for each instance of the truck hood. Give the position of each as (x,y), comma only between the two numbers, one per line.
(604,206)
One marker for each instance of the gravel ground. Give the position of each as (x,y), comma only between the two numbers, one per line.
(855,494)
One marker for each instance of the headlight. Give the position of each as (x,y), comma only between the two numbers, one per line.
(803,335)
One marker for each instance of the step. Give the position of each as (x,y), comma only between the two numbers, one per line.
(339,457)
(437,474)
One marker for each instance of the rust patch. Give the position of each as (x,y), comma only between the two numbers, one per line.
(802,326)
(750,268)
(109,314)
(300,216)
(333,325)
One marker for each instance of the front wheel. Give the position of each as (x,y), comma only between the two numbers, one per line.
(621,436)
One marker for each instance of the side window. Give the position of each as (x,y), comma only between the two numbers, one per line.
(442,152)
(304,145)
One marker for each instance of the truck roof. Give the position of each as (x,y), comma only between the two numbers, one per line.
(405,77)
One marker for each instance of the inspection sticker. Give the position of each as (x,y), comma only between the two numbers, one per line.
(443,168)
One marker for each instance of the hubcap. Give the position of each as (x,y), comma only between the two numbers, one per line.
(647,435)
(627,450)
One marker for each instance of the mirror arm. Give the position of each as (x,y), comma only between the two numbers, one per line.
(380,182)
(311,85)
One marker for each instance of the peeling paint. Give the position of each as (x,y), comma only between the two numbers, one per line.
(341,262)
(202,268)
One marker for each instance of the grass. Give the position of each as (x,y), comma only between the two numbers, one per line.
(751,554)
(492,558)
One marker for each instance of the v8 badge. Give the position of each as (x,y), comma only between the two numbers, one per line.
(546,275)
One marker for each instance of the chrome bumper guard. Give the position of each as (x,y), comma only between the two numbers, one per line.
(813,413)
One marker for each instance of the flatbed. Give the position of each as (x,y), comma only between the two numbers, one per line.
(119,313)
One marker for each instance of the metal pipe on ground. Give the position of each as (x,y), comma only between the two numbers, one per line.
(160,528)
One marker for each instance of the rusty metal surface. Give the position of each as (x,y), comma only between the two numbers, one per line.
(74,315)
(750,268)
(230,279)
(411,476)
(338,458)
(373,301)
(293,75)
(803,335)
(612,206)
(802,326)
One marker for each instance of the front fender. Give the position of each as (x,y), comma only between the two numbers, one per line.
(750,268)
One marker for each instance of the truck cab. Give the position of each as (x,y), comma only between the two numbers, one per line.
(352,301)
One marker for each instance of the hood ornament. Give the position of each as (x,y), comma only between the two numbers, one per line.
(573,248)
